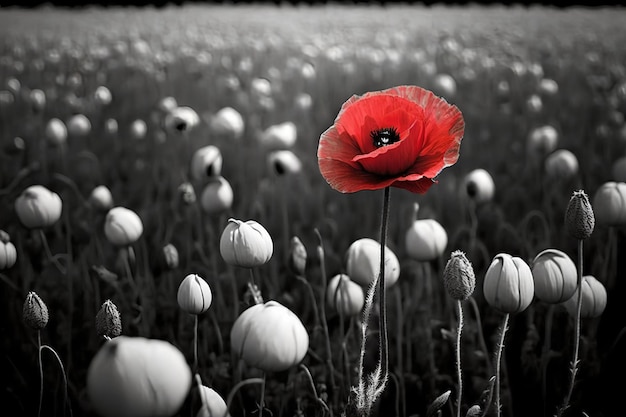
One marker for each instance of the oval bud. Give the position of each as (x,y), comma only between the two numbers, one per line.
(194,295)
(122,226)
(593,300)
(79,125)
(170,256)
(508,284)
(101,198)
(479,186)
(213,405)
(228,122)
(108,320)
(187,193)
(138,129)
(297,256)
(35,311)
(555,276)
(279,136)
(425,240)
(345,295)
(206,162)
(458,276)
(217,196)
(181,119)
(246,244)
(284,162)
(8,253)
(561,165)
(363,262)
(38,207)
(56,132)
(102,96)
(579,217)
(543,140)
(609,204)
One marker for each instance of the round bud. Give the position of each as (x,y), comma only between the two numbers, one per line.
(609,204)
(425,240)
(38,207)
(593,300)
(345,295)
(555,276)
(194,295)
(508,284)
(122,226)
(363,262)
(246,244)
(479,185)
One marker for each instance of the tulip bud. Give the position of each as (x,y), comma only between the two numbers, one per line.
(122,226)
(279,136)
(138,129)
(181,119)
(56,132)
(555,276)
(35,311)
(217,196)
(458,276)
(38,207)
(425,240)
(101,198)
(187,193)
(8,253)
(579,218)
(561,164)
(37,100)
(108,320)
(213,405)
(508,284)
(79,125)
(206,162)
(284,162)
(269,337)
(609,204)
(345,295)
(194,294)
(593,300)
(229,122)
(479,185)
(246,244)
(363,262)
(543,140)
(170,256)
(297,256)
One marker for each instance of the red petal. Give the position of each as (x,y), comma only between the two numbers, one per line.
(332,145)
(347,179)
(420,186)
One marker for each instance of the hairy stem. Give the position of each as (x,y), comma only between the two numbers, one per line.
(458,358)
(505,323)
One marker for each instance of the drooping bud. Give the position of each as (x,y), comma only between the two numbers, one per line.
(297,255)
(579,218)
(458,276)
(181,119)
(194,294)
(35,311)
(108,320)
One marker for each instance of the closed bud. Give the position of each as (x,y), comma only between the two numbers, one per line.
(78,125)
(217,196)
(543,139)
(555,276)
(297,256)
(206,162)
(279,136)
(479,186)
(37,100)
(458,276)
(593,300)
(579,217)
(108,320)
(194,295)
(246,244)
(122,226)
(213,405)
(425,240)
(228,122)
(101,198)
(609,204)
(345,295)
(8,253)
(561,165)
(138,129)
(508,284)
(111,126)
(187,193)
(474,411)
(56,132)
(167,104)
(284,162)
(35,311)
(363,262)
(102,96)
(38,207)
(181,119)
(170,256)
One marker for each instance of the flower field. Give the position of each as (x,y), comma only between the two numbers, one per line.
(170,218)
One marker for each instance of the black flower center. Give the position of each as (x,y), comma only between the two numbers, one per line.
(385,136)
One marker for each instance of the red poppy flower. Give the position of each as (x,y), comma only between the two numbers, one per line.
(400,137)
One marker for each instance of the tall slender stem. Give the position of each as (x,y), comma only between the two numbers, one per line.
(195,342)
(545,358)
(458,358)
(505,323)
(40,372)
(574,364)
(262,402)
(384,344)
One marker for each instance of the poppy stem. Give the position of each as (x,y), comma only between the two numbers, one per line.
(458,358)
(384,344)
(505,323)
(574,364)
(195,343)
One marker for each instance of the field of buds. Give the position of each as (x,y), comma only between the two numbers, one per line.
(170,247)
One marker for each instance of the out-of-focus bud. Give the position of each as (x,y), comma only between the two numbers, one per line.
(474,411)
(297,256)
(227,122)
(101,198)
(609,204)
(181,119)
(279,136)
(444,85)
(548,87)
(170,256)
(246,244)
(102,96)
(437,404)
(78,125)
(37,100)
(16,146)
(363,262)
(14,85)
(303,101)
(38,207)
(534,104)
(555,276)
(345,295)
(108,320)
(217,196)
(194,294)
(111,127)
(35,311)
(479,186)
(138,129)
(122,226)
(206,162)
(543,140)
(425,240)
(508,284)
(458,276)
(56,132)
(8,253)
(284,162)
(213,405)
(579,217)
(167,104)
(187,193)
(593,301)
(561,165)
(261,87)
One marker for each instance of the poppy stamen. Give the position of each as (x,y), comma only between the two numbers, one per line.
(385,136)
